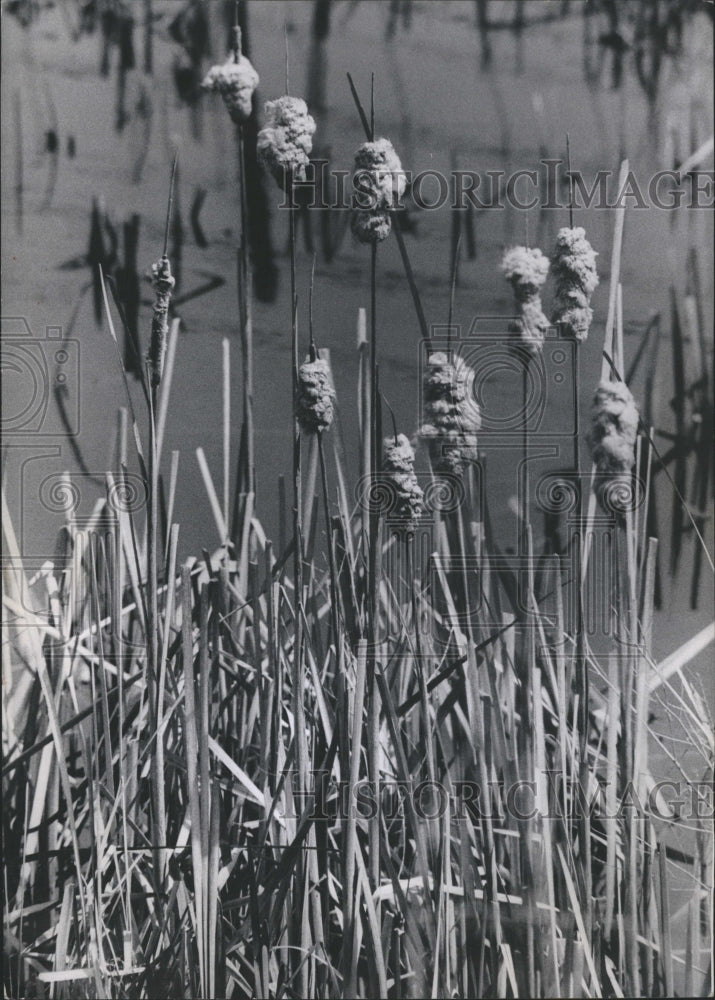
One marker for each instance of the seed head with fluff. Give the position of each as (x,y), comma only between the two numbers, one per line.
(163,283)
(370,227)
(451,414)
(526,270)
(574,268)
(235,80)
(406,499)
(614,427)
(611,439)
(315,396)
(285,141)
(379,182)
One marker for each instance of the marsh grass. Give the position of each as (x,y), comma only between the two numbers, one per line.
(166,832)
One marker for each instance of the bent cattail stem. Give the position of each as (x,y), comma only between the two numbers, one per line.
(612,439)
(163,283)
(285,141)
(402,499)
(451,414)
(574,266)
(315,396)
(526,270)
(235,80)
(379,182)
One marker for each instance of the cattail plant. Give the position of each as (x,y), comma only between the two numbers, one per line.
(235,80)
(574,268)
(315,396)
(285,141)
(283,146)
(526,270)
(612,439)
(379,182)
(163,283)
(451,414)
(403,500)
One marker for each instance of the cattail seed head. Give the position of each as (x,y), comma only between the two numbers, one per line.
(163,283)
(611,439)
(370,227)
(235,80)
(378,174)
(614,427)
(405,502)
(398,455)
(526,270)
(451,414)
(379,182)
(315,396)
(285,141)
(574,267)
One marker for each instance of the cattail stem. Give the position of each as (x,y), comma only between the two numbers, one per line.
(334,607)
(302,873)
(373,589)
(297,495)
(580,661)
(246,321)
(157,769)
(525,455)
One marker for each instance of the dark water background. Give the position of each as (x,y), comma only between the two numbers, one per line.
(449,96)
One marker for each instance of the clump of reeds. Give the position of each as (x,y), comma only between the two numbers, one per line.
(451,413)
(155,843)
(285,141)
(574,270)
(526,269)
(379,182)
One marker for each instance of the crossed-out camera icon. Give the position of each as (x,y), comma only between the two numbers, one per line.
(33,368)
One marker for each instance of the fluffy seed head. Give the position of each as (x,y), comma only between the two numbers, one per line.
(404,502)
(235,80)
(378,174)
(370,227)
(398,455)
(574,259)
(531,326)
(611,439)
(574,267)
(315,396)
(379,181)
(526,269)
(451,414)
(285,141)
